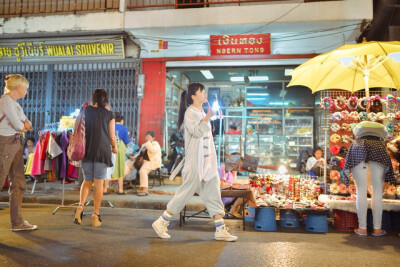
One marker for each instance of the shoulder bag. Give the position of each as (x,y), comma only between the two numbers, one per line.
(77,141)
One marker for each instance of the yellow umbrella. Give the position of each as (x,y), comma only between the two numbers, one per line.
(352,67)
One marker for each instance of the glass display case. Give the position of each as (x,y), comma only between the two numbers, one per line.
(298,131)
(273,137)
(265,136)
(172,94)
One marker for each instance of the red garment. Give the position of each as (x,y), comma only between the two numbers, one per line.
(72,171)
(233,132)
(43,147)
(342,162)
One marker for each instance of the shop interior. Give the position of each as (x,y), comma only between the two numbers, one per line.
(274,121)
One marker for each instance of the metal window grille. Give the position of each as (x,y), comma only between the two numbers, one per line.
(56,90)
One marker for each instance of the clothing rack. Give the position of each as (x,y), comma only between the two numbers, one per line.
(54,127)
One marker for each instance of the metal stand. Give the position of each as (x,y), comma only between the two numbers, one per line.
(34,186)
(72,206)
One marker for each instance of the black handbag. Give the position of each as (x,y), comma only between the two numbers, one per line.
(250,163)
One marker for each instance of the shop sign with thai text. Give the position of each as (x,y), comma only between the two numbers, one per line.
(62,49)
(240,44)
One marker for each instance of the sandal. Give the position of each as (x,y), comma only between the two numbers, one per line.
(360,233)
(381,233)
(142,194)
(122,193)
(96,220)
(78,215)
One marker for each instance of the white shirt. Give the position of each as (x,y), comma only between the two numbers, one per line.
(311,161)
(14,114)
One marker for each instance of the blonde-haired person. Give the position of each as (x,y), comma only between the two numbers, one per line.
(12,126)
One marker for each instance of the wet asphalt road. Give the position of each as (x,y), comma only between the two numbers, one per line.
(127,239)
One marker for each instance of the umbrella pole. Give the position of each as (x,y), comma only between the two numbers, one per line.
(325,155)
(366,79)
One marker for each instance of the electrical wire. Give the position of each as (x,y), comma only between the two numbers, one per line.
(269,23)
(289,37)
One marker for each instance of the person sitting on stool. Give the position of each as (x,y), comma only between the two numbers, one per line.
(154,153)
(316,163)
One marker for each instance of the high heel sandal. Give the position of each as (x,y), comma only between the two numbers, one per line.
(96,220)
(78,215)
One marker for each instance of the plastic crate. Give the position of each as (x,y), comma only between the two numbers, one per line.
(316,223)
(265,219)
(289,218)
(250,214)
(344,221)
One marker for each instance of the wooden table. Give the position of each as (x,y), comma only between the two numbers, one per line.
(224,193)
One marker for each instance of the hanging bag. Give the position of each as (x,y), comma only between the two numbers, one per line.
(250,163)
(77,141)
(232,161)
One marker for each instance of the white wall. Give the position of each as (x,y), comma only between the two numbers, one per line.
(195,25)
(251,14)
(63,23)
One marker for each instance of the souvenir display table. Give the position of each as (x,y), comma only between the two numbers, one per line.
(287,192)
(349,203)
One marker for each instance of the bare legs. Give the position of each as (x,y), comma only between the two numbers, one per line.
(97,193)
(120,185)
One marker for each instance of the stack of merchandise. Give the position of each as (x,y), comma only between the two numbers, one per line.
(346,111)
(66,122)
(287,192)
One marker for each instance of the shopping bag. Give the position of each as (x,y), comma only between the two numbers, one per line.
(77,141)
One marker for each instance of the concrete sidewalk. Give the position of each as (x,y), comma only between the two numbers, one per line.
(51,193)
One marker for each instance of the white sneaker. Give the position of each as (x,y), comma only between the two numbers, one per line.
(160,226)
(222,234)
(24,227)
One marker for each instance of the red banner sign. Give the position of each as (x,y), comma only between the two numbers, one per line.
(240,44)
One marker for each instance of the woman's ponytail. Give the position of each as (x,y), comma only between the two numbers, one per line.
(186,100)
(182,109)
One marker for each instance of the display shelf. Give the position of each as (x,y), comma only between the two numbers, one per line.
(280,138)
(298,132)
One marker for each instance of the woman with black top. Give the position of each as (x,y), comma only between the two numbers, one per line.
(100,142)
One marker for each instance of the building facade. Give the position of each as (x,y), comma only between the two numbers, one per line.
(168,44)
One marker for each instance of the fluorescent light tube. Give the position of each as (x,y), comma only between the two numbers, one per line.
(207,74)
(288,72)
(260,94)
(237,79)
(258,78)
(256,98)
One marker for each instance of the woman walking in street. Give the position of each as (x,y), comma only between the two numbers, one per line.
(13,123)
(100,142)
(200,173)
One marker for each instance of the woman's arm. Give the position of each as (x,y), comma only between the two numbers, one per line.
(8,109)
(125,136)
(196,125)
(310,163)
(152,147)
(113,140)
